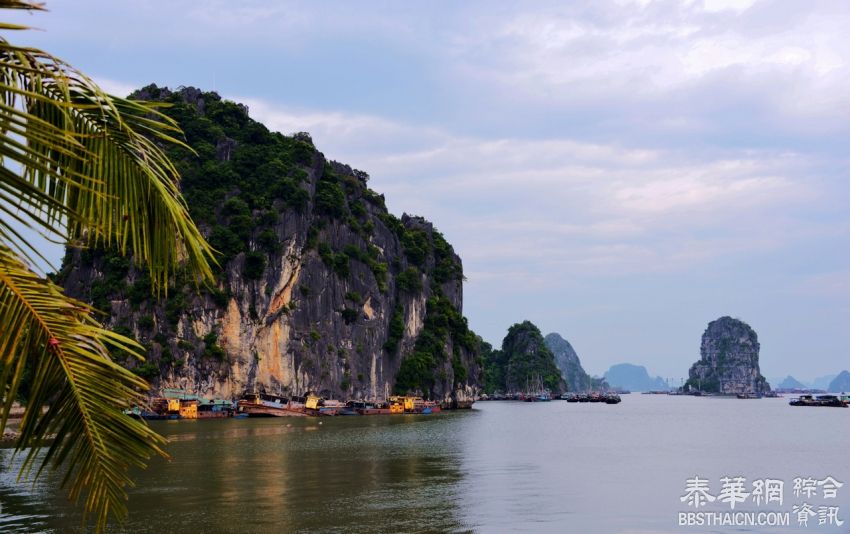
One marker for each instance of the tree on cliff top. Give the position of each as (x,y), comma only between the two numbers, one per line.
(82,168)
(524,356)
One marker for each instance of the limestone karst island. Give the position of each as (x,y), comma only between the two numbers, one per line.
(367,267)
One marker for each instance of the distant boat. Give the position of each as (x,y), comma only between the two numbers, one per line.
(830,401)
(612,399)
(534,391)
(749,396)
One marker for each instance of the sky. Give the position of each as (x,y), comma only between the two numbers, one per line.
(619,172)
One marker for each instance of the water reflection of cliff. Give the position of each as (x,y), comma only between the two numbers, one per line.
(358,474)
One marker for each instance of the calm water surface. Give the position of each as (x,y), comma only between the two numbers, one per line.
(502,467)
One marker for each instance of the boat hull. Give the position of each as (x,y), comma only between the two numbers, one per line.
(262,410)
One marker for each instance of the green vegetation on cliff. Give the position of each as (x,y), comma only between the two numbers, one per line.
(443,326)
(524,357)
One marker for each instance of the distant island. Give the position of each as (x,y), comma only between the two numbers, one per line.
(841,382)
(627,376)
(790,383)
(729,360)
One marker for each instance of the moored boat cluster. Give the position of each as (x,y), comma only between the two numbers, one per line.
(180,405)
(604,397)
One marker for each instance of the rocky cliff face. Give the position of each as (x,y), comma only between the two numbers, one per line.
(524,357)
(320,288)
(568,362)
(633,378)
(729,361)
(840,383)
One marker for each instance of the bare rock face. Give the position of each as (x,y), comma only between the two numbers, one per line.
(319,288)
(568,362)
(729,361)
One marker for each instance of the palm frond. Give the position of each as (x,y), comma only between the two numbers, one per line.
(91,165)
(83,388)
(86,168)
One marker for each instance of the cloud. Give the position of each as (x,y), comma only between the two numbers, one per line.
(671,64)
(565,205)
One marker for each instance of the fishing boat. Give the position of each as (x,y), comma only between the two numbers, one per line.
(749,396)
(349,408)
(372,407)
(215,409)
(137,412)
(264,405)
(330,407)
(612,398)
(414,405)
(534,391)
(830,401)
(170,408)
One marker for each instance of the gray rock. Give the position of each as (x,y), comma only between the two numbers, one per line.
(568,362)
(729,361)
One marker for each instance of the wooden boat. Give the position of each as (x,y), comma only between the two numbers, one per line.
(215,409)
(427,406)
(413,405)
(317,406)
(137,412)
(263,405)
(372,407)
(330,407)
(349,409)
(188,408)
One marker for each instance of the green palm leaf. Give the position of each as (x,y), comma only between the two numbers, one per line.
(92,169)
(83,168)
(83,388)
